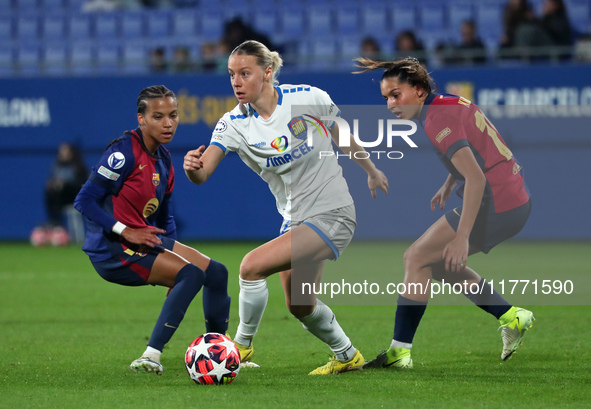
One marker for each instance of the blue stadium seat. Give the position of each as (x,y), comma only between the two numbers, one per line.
(579,12)
(184,24)
(349,46)
(211,25)
(292,22)
(26,5)
(347,19)
(27,27)
(319,20)
(5,7)
(6,28)
(28,59)
(322,54)
(132,25)
(52,5)
(432,17)
(53,26)
(55,58)
(82,57)
(74,6)
(265,21)
(404,17)
(106,26)
(158,24)
(108,57)
(134,58)
(489,20)
(79,27)
(374,20)
(6,60)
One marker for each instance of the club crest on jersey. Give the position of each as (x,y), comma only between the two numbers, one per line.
(116,160)
(280,143)
(298,127)
(151,207)
(155,179)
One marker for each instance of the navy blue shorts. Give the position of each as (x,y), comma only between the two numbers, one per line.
(129,267)
(491,229)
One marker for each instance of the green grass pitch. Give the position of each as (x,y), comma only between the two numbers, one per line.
(67,338)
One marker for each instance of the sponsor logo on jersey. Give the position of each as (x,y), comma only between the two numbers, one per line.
(260,144)
(155,179)
(221,126)
(218,137)
(109,174)
(151,207)
(295,154)
(298,127)
(280,143)
(116,160)
(441,135)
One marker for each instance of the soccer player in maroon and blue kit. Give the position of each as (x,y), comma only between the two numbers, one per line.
(496,205)
(131,232)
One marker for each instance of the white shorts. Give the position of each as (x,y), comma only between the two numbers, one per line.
(335,227)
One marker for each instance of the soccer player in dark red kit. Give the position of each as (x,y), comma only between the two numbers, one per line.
(131,237)
(496,205)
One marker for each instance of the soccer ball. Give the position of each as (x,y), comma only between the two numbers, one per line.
(212,359)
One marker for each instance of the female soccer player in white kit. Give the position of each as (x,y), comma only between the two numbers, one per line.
(268,130)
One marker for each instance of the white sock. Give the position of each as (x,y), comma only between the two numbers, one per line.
(398,344)
(252,301)
(153,354)
(323,325)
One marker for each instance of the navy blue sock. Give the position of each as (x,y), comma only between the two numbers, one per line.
(489,300)
(216,301)
(408,317)
(189,281)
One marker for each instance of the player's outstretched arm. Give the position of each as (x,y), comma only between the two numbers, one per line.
(376,179)
(200,163)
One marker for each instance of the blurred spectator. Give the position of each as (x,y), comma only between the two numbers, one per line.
(514,14)
(371,49)
(471,50)
(236,32)
(407,45)
(556,22)
(68,174)
(158,60)
(181,60)
(214,57)
(111,5)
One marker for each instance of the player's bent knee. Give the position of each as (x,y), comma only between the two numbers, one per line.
(300,311)
(191,274)
(250,269)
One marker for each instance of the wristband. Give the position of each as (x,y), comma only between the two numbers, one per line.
(118,228)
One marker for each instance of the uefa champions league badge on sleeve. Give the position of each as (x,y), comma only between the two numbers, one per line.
(116,160)
(221,126)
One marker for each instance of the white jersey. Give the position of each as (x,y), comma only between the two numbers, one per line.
(303,182)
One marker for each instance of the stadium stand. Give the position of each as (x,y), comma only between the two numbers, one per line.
(51,33)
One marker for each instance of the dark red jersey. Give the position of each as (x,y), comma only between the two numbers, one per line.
(453,122)
(128,185)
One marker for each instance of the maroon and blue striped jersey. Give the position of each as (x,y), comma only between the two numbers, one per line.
(453,122)
(128,185)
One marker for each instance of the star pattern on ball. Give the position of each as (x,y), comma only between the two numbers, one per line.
(219,370)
